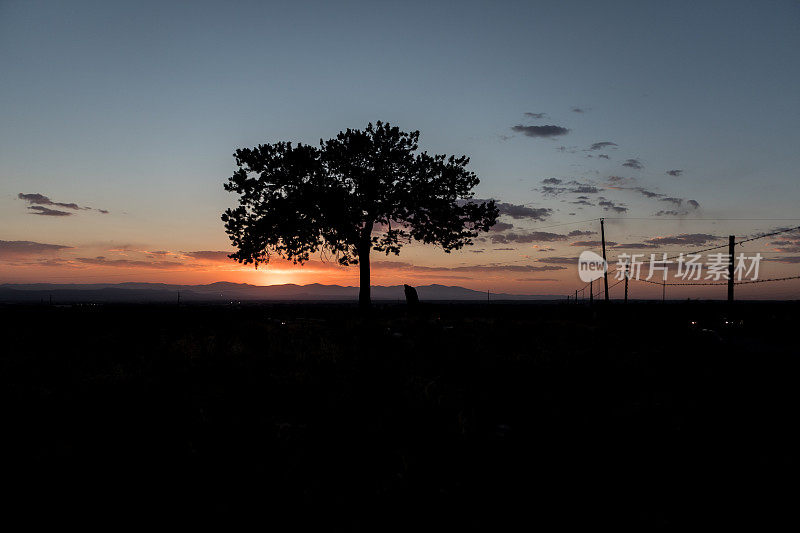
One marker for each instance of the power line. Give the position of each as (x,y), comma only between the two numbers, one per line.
(764,280)
(698,252)
(714,219)
(769,234)
(716,283)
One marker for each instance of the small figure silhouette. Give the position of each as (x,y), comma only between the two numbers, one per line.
(412,300)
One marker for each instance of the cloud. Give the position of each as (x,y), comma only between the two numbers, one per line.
(505,249)
(608,205)
(54,262)
(634,245)
(560,260)
(633,163)
(580,233)
(592,244)
(620,180)
(9,249)
(536,115)
(577,109)
(535,279)
(552,191)
(644,192)
(207,255)
(36,199)
(671,199)
(793,259)
(692,239)
(604,156)
(572,186)
(501,226)
(670,212)
(652,194)
(534,236)
(674,173)
(515,211)
(540,131)
(789,242)
(47,212)
(585,189)
(602,145)
(129,263)
(521,211)
(494,267)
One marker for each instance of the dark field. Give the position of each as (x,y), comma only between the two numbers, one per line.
(501,417)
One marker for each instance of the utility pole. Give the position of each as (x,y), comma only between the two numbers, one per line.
(663,291)
(591,292)
(731,247)
(576,295)
(605,264)
(626,282)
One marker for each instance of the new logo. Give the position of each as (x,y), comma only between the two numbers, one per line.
(591,266)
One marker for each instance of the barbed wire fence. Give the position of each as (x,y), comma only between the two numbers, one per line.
(665,259)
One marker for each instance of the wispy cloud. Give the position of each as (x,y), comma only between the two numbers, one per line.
(516,211)
(501,226)
(540,131)
(555,260)
(609,205)
(208,255)
(692,239)
(484,268)
(555,186)
(531,237)
(13,249)
(633,163)
(47,212)
(37,199)
(580,233)
(129,263)
(592,244)
(602,145)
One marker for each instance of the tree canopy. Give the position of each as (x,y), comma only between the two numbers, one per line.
(360,191)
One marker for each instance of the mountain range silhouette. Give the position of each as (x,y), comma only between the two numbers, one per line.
(223,291)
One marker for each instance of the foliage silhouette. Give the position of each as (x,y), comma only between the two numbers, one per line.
(360,191)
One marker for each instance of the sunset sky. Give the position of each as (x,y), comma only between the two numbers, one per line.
(677,121)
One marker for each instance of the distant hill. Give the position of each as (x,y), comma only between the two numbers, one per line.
(225,291)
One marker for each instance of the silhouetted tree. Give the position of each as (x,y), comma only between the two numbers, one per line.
(361,191)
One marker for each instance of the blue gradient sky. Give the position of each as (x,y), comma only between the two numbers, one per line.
(137,107)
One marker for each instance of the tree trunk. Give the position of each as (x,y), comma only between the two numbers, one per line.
(363,264)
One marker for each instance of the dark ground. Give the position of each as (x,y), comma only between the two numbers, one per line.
(501,417)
